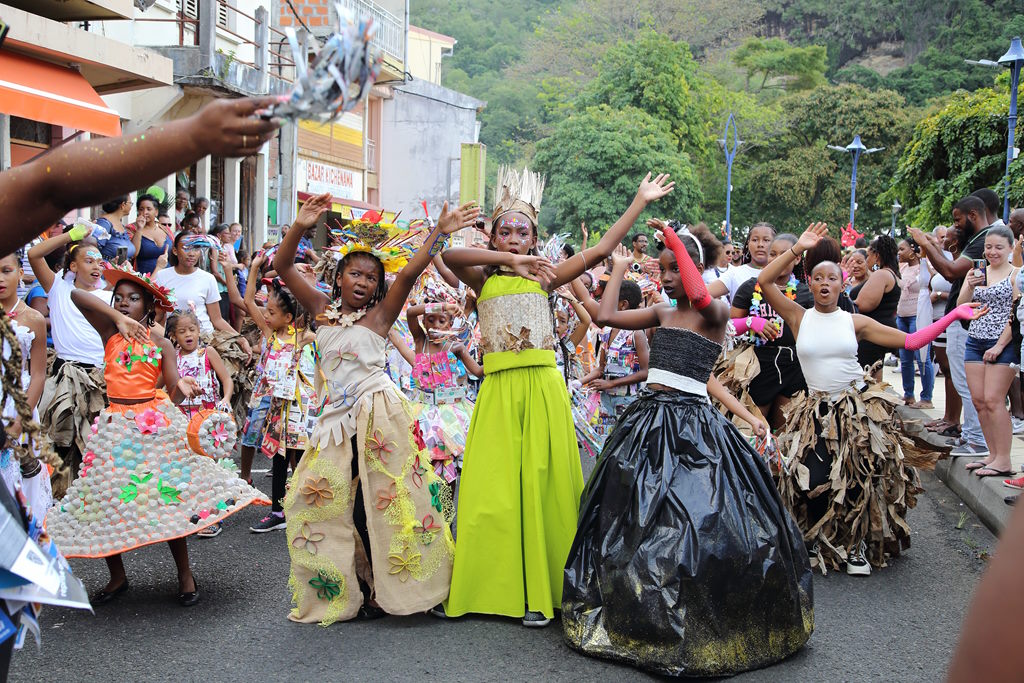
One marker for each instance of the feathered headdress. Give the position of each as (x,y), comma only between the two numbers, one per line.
(392,243)
(521,192)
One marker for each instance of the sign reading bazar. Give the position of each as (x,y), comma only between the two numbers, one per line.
(316,178)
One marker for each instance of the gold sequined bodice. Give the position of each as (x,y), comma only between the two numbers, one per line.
(514,316)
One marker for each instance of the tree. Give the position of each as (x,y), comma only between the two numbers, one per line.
(656,75)
(595,159)
(956,150)
(796,68)
(794,179)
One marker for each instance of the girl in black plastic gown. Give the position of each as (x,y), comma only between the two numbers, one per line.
(685,561)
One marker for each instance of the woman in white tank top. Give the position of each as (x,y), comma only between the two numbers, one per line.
(828,423)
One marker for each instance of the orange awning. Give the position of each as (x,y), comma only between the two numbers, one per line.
(41,91)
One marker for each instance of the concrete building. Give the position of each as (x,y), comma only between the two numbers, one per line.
(218,48)
(60,83)
(430,150)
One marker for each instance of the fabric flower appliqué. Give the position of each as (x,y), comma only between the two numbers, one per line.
(326,587)
(150,421)
(317,492)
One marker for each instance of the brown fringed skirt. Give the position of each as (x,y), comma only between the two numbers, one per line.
(850,473)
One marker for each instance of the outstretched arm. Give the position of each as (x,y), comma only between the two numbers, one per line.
(609,315)
(384,315)
(312,299)
(875,332)
(649,191)
(38,193)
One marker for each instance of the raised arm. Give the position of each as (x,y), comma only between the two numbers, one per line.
(37,258)
(249,302)
(312,299)
(384,314)
(90,172)
(105,319)
(712,310)
(951,270)
(649,191)
(790,311)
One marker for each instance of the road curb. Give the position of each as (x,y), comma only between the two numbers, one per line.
(983,496)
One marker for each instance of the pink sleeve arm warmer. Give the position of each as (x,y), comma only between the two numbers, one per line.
(693,283)
(926,335)
(750,323)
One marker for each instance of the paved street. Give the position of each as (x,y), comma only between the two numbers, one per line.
(900,624)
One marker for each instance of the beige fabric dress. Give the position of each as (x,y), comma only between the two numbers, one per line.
(407,508)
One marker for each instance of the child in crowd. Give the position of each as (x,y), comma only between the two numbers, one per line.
(283,398)
(391,527)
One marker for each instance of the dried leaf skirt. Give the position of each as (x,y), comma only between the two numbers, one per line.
(850,473)
(78,396)
(685,562)
(407,513)
(140,484)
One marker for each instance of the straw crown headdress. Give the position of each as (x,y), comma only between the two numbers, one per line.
(518,191)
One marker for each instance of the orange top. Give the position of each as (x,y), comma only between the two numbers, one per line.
(132,368)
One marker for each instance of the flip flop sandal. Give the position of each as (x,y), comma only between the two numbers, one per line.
(991,472)
(975,465)
(935,423)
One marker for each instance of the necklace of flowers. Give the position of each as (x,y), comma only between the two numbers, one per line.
(149,353)
(334,316)
(13,313)
(755,308)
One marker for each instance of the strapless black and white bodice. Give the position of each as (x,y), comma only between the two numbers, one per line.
(682,359)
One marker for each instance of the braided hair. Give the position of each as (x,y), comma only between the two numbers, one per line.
(286,301)
(887,251)
(10,365)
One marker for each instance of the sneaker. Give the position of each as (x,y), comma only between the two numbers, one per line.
(535,620)
(269,523)
(856,563)
(1018,425)
(956,441)
(1017,483)
(969,450)
(438,611)
(211,531)
(890,361)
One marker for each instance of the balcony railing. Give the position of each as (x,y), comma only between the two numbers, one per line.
(268,45)
(391,30)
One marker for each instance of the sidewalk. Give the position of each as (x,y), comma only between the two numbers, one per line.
(983,496)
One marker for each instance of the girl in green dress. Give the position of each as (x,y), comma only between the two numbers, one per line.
(521,481)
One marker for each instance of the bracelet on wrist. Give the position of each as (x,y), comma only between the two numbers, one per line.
(794,252)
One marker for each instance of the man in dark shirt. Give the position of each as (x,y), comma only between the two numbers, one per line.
(970,216)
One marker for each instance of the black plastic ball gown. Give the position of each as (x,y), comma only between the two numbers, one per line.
(685,561)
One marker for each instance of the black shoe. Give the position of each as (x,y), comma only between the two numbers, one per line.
(103,597)
(190,598)
(369,612)
(269,523)
(1011,500)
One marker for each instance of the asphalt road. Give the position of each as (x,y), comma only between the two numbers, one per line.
(901,624)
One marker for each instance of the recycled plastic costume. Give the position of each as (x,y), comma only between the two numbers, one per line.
(443,410)
(139,482)
(685,562)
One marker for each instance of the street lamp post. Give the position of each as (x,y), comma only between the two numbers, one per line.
(856,148)
(1013,58)
(895,210)
(730,154)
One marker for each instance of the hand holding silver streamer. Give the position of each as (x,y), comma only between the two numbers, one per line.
(340,76)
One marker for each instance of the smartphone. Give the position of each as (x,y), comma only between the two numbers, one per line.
(979,270)
(121,256)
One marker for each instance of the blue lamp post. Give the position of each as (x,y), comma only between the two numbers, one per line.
(1013,58)
(730,154)
(856,148)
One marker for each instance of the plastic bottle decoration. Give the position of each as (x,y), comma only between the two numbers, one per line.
(340,76)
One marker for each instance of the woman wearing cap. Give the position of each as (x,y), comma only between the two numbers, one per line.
(139,483)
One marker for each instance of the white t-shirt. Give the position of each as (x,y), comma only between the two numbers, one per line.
(736,276)
(73,337)
(197,288)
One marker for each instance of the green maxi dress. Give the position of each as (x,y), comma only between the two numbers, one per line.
(521,479)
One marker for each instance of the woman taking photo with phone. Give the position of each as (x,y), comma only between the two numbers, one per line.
(993,282)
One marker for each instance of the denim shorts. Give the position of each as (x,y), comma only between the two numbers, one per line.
(976,348)
(254,423)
